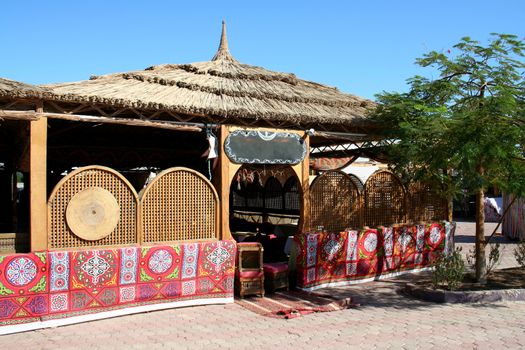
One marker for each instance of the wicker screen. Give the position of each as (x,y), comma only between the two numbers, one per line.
(59,234)
(357,181)
(334,202)
(425,204)
(179,204)
(273,194)
(292,200)
(384,199)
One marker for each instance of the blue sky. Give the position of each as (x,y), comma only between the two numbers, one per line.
(361,47)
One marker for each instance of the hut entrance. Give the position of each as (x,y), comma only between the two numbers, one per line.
(14,186)
(265,207)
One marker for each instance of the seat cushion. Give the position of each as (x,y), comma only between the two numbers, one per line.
(249,244)
(249,273)
(275,267)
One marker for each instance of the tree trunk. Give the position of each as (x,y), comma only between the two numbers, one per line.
(450,200)
(450,209)
(481,265)
(481,262)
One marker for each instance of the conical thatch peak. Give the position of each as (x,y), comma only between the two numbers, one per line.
(223,53)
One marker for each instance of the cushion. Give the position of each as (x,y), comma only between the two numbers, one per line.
(275,267)
(249,244)
(249,274)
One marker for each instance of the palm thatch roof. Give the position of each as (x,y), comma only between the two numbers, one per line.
(15,89)
(223,89)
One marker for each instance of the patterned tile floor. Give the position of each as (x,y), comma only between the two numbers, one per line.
(385,320)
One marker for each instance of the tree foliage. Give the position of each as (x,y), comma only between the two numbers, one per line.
(469,120)
(472,114)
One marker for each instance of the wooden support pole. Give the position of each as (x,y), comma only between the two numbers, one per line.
(224,190)
(303,173)
(38,182)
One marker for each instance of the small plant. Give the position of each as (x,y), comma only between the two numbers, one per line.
(448,270)
(494,258)
(471,258)
(519,254)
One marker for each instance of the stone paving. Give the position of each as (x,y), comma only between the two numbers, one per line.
(384,320)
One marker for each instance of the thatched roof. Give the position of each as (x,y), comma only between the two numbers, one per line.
(16,89)
(221,88)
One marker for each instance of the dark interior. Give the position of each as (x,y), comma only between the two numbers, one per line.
(264,210)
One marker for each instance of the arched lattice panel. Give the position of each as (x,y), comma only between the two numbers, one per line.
(384,199)
(273,194)
(179,204)
(357,181)
(425,204)
(292,195)
(334,202)
(92,206)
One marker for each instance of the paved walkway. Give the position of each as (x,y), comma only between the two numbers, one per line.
(385,320)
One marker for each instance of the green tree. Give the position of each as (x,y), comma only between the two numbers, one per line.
(464,129)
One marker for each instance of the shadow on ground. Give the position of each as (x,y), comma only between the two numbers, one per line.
(384,293)
(389,294)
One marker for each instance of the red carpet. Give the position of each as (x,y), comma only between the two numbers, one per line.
(294,303)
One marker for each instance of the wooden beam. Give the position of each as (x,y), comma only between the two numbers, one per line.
(18,115)
(30,115)
(38,182)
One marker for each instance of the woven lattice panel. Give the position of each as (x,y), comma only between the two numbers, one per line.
(425,204)
(60,235)
(334,202)
(273,194)
(384,200)
(180,204)
(292,201)
(357,181)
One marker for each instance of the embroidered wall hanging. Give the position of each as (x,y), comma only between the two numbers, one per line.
(48,285)
(336,258)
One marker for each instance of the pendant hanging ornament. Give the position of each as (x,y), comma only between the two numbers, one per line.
(212,141)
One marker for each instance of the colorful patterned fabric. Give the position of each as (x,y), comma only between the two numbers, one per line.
(128,265)
(46,285)
(59,271)
(191,257)
(351,255)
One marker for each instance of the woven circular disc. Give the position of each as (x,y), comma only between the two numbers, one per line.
(93,213)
